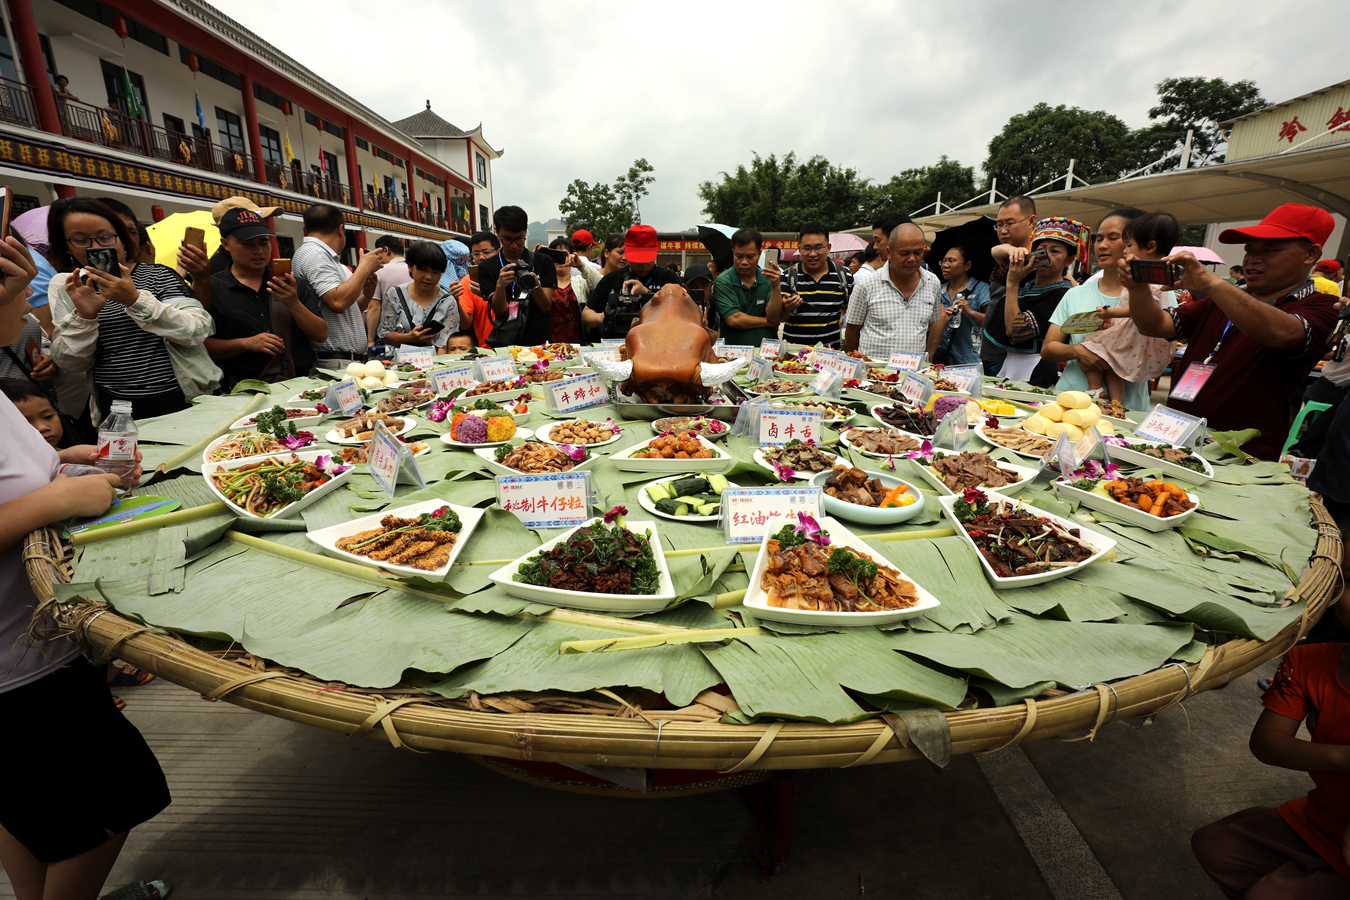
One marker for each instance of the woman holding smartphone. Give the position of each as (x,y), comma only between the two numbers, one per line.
(135,328)
(421,312)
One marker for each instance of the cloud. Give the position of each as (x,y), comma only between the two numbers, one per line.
(580,90)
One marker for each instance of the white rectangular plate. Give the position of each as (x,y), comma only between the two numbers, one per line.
(327,538)
(489,456)
(208,469)
(757,601)
(1129,515)
(1172,470)
(242,423)
(1028,475)
(664,596)
(720,462)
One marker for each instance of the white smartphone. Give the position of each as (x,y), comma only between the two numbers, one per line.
(772,255)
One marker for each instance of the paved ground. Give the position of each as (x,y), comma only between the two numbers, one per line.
(267,809)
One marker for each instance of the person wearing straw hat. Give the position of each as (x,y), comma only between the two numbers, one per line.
(1037,280)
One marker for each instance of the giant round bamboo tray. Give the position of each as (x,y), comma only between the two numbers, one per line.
(621,735)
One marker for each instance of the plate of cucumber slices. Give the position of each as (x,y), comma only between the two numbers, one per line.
(686,498)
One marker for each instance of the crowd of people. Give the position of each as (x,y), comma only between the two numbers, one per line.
(92,320)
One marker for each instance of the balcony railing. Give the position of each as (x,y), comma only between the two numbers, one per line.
(16,104)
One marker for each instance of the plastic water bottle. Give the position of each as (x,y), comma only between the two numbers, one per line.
(117,438)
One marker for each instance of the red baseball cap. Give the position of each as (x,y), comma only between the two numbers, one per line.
(640,244)
(582,240)
(1292,220)
(1330,266)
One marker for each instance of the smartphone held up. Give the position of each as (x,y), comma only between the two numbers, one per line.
(1154,271)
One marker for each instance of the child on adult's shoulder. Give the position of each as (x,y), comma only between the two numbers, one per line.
(1131,357)
(35,406)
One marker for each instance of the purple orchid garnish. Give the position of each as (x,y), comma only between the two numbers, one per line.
(925,453)
(784,472)
(1116,440)
(809,528)
(328,465)
(576,454)
(540,367)
(297,440)
(613,426)
(439,410)
(716,427)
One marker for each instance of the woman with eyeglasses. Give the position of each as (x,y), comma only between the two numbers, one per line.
(139,333)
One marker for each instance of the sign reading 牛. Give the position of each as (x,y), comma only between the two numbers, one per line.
(761,370)
(746,511)
(344,396)
(916,389)
(576,393)
(907,362)
(735,351)
(391,462)
(778,426)
(492,369)
(1170,426)
(453,378)
(422,357)
(827,384)
(548,500)
(770,349)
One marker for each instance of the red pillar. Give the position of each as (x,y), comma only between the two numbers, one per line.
(412,189)
(449,210)
(353,174)
(35,70)
(251,124)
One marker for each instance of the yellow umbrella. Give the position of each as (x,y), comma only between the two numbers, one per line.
(167,234)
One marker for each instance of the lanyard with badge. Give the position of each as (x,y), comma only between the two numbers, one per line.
(1195,377)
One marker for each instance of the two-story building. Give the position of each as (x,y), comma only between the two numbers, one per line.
(170,105)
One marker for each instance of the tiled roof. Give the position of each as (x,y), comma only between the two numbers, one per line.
(426,124)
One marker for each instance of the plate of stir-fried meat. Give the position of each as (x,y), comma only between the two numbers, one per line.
(422,539)
(871,498)
(952,473)
(797,578)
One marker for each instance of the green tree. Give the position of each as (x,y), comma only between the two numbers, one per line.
(914,189)
(1197,104)
(782,194)
(607,209)
(1035,147)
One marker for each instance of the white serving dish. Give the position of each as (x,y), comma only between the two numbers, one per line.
(720,462)
(496,396)
(979,429)
(757,600)
(762,460)
(1126,514)
(206,454)
(1172,470)
(869,515)
(1028,476)
(209,469)
(861,393)
(543,435)
(1098,542)
(489,456)
(799,377)
(332,437)
(242,423)
(664,596)
(521,433)
(882,422)
(751,392)
(423,405)
(649,505)
(327,538)
(1013,394)
(298,400)
(844,439)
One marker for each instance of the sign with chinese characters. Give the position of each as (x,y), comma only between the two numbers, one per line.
(735,351)
(575,393)
(344,396)
(610,353)
(1170,426)
(494,369)
(1070,456)
(845,365)
(391,462)
(422,357)
(761,370)
(970,382)
(916,389)
(612,342)
(453,378)
(769,349)
(827,384)
(547,500)
(907,362)
(778,426)
(746,511)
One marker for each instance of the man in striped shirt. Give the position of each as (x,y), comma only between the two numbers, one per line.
(344,293)
(815,291)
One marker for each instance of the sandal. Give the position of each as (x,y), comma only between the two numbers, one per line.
(130,676)
(119,703)
(141,890)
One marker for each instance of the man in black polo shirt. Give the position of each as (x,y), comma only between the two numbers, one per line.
(814,292)
(264,325)
(620,295)
(519,301)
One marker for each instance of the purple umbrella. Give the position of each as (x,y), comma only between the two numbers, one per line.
(32,225)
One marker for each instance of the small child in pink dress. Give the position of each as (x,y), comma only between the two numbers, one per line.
(1131,356)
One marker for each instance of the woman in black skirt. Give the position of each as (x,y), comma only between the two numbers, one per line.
(60,831)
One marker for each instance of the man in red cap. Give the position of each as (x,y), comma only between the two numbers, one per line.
(1327,276)
(1249,350)
(614,305)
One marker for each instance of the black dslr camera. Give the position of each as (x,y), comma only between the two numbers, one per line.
(623,310)
(526,279)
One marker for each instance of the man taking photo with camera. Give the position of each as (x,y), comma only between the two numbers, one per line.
(522,291)
(617,300)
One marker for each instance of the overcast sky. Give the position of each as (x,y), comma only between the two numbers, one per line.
(580,89)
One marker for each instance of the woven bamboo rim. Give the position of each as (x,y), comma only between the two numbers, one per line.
(630,737)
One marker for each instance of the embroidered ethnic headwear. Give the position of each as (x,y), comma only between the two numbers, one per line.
(1066,231)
